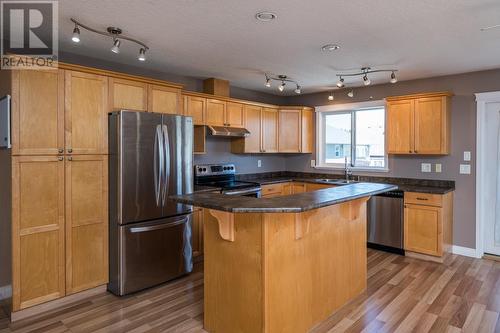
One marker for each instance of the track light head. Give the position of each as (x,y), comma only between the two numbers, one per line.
(297,90)
(366,80)
(350,93)
(268,82)
(331,97)
(394,79)
(76,34)
(142,54)
(340,83)
(281,87)
(116,46)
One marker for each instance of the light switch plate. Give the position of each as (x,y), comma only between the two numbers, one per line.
(467,156)
(426,167)
(438,167)
(313,163)
(259,163)
(465,169)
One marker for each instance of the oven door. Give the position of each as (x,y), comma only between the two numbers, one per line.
(254,192)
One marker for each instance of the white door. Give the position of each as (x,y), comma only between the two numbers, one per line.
(490,170)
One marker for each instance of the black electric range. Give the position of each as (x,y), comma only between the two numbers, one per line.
(223,177)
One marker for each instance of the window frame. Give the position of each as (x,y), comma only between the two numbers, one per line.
(349,108)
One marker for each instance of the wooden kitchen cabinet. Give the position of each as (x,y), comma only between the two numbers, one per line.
(216,112)
(428,223)
(196,107)
(269,130)
(234,114)
(86,202)
(314,187)
(290,124)
(86,113)
(163,99)
(127,94)
(253,123)
(419,124)
(197,240)
(37,112)
(307,131)
(38,255)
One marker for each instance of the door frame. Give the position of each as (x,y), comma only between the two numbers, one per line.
(482,99)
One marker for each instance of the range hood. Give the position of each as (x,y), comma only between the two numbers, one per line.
(224,131)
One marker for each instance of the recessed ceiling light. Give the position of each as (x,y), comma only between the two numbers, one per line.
(265,16)
(330,47)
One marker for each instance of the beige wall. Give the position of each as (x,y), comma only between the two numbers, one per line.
(463,138)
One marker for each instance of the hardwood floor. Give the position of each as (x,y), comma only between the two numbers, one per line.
(403,295)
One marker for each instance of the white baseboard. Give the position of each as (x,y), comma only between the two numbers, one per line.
(5,292)
(464,251)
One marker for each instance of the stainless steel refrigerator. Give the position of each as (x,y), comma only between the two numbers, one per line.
(150,159)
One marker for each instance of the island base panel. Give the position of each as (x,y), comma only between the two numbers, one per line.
(284,272)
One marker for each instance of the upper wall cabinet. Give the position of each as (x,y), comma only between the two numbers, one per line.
(290,125)
(86,106)
(127,94)
(37,112)
(307,131)
(419,124)
(216,112)
(269,130)
(196,107)
(234,114)
(253,123)
(162,99)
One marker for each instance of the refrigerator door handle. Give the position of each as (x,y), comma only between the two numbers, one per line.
(158,164)
(158,227)
(166,147)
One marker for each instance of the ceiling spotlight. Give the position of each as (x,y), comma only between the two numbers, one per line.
(116,46)
(351,93)
(394,79)
(366,80)
(265,16)
(268,82)
(297,90)
(340,84)
(331,97)
(330,47)
(281,87)
(76,34)
(142,54)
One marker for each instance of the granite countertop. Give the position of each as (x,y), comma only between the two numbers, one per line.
(421,188)
(294,203)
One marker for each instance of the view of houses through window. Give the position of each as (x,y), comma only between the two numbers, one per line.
(358,135)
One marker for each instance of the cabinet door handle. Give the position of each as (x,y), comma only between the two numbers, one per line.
(422,199)
(410,151)
(70,158)
(60,158)
(70,150)
(60,150)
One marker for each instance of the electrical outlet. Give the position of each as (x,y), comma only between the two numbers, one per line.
(313,163)
(465,169)
(467,156)
(438,167)
(426,167)
(259,163)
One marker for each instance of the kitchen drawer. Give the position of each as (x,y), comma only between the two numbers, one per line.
(424,199)
(272,190)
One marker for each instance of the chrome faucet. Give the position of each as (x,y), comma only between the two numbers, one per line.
(347,170)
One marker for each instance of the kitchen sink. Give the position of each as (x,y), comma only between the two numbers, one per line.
(337,181)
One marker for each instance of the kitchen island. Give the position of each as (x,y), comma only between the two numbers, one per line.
(282,264)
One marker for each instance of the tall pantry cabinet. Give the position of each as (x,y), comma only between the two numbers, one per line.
(59,184)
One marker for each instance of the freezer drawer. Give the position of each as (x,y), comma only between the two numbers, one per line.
(151,253)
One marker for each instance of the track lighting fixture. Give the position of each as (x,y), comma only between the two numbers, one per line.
(76,34)
(350,93)
(394,79)
(364,73)
(331,97)
(340,83)
(366,80)
(116,46)
(281,87)
(142,54)
(116,36)
(283,79)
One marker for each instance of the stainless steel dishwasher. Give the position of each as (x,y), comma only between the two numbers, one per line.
(385,215)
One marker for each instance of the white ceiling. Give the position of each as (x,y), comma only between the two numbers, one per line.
(221,38)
